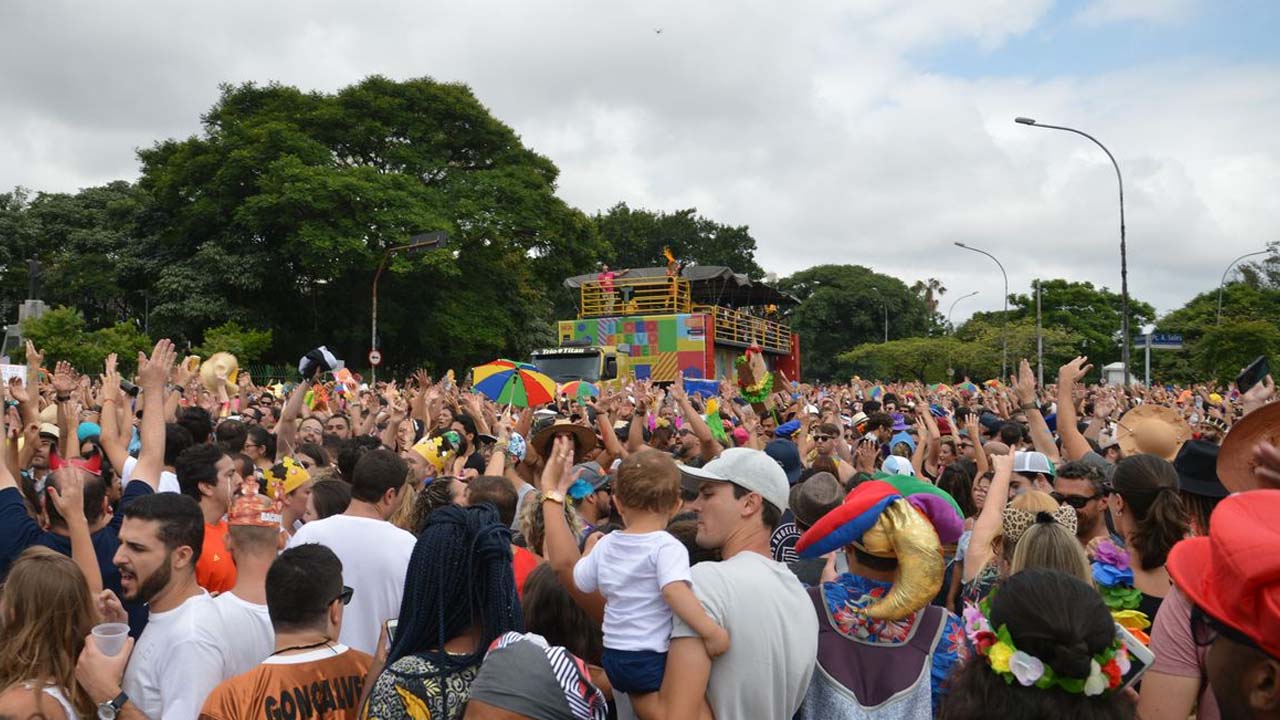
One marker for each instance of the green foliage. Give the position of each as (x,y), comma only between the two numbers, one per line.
(280,212)
(1243,304)
(1091,315)
(839,310)
(247,344)
(61,334)
(921,359)
(1226,349)
(636,239)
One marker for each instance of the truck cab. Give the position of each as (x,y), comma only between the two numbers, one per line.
(592,363)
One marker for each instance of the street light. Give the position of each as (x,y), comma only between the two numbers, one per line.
(886,312)
(1124,262)
(417,242)
(1224,278)
(1004,318)
(953,306)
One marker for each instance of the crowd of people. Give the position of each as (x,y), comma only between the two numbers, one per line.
(175,546)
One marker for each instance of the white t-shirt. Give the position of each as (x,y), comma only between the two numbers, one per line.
(773,636)
(630,570)
(168,481)
(244,629)
(176,663)
(375,557)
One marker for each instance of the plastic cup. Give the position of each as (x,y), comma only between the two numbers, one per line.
(110,637)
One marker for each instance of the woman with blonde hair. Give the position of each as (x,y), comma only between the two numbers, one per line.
(999,528)
(46,612)
(1050,545)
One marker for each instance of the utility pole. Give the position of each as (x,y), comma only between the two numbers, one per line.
(1039,339)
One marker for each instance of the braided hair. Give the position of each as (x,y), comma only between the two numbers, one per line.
(459,575)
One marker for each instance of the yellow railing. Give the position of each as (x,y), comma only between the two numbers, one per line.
(735,327)
(641,296)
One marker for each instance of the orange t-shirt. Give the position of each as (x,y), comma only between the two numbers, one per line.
(316,684)
(522,563)
(215,570)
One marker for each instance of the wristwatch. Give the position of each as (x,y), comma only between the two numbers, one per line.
(1029,406)
(554,496)
(109,709)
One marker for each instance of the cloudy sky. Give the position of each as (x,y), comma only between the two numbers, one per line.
(877,132)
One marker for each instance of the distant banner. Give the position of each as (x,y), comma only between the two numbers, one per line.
(705,388)
(12,371)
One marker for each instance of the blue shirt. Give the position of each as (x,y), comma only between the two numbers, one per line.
(19,531)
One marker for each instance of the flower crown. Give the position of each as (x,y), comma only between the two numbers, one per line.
(1105,669)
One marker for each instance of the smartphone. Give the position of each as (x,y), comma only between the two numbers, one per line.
(1140,657)
(1253,374)
(129,388)
(391,629)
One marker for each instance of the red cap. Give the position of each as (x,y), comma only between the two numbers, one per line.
(1234,574)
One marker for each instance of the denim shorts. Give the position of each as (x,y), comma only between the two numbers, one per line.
(635,671)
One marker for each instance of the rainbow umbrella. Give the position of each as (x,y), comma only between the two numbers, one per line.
(993,384)
(876,392)
(508,382)
(579,390)
(969,387)
(940,388)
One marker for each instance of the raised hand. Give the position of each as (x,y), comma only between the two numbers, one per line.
(1024,383)
(153,372)
(557,473)
(35,358)
(18,391)
(1074,371)
(64,379)
(69,500)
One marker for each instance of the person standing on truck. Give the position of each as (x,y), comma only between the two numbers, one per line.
(606,278)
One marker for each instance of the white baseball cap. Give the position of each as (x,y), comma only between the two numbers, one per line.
(750,469)
(1032,463)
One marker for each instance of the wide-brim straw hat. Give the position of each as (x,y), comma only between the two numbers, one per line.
(1152,429)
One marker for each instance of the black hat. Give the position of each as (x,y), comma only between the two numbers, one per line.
(318,360)
(1197,466)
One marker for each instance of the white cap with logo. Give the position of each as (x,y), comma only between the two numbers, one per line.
(750,469)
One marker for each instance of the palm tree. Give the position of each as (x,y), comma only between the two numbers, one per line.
(930,291)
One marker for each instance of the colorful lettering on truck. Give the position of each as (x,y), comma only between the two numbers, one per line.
(659,347)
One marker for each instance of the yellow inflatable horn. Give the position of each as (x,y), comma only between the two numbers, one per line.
(902,532)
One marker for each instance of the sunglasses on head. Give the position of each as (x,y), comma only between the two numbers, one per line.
(1075,501)
(345,595)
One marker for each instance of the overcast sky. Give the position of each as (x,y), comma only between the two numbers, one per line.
(876,132)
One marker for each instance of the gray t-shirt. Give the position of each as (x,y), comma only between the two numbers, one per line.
(773,636)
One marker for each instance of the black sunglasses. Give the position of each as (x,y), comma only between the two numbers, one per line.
(345,595)
(1205,629)
(821,438)
(1075,501)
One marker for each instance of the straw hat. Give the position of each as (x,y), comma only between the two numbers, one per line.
(584,440)
(1153,429)
(225,363)
(1235,457)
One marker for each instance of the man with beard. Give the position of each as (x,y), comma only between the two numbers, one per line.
(176,662)
(1079,485)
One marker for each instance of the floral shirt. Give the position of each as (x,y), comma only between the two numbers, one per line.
(850,594)
(413,687)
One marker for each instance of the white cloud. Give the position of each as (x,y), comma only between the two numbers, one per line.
(1102,12)
(807,121)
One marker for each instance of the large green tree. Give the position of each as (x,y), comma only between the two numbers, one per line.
(636,238)
(843,306)
(1089,314)
(278,214)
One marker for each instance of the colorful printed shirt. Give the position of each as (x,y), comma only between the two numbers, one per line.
(413,687)
(850,594)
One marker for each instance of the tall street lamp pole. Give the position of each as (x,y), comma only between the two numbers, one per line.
(886,312)
(953,307)
(417,242)
(1004,317)
(1124,261)
(1223,282)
